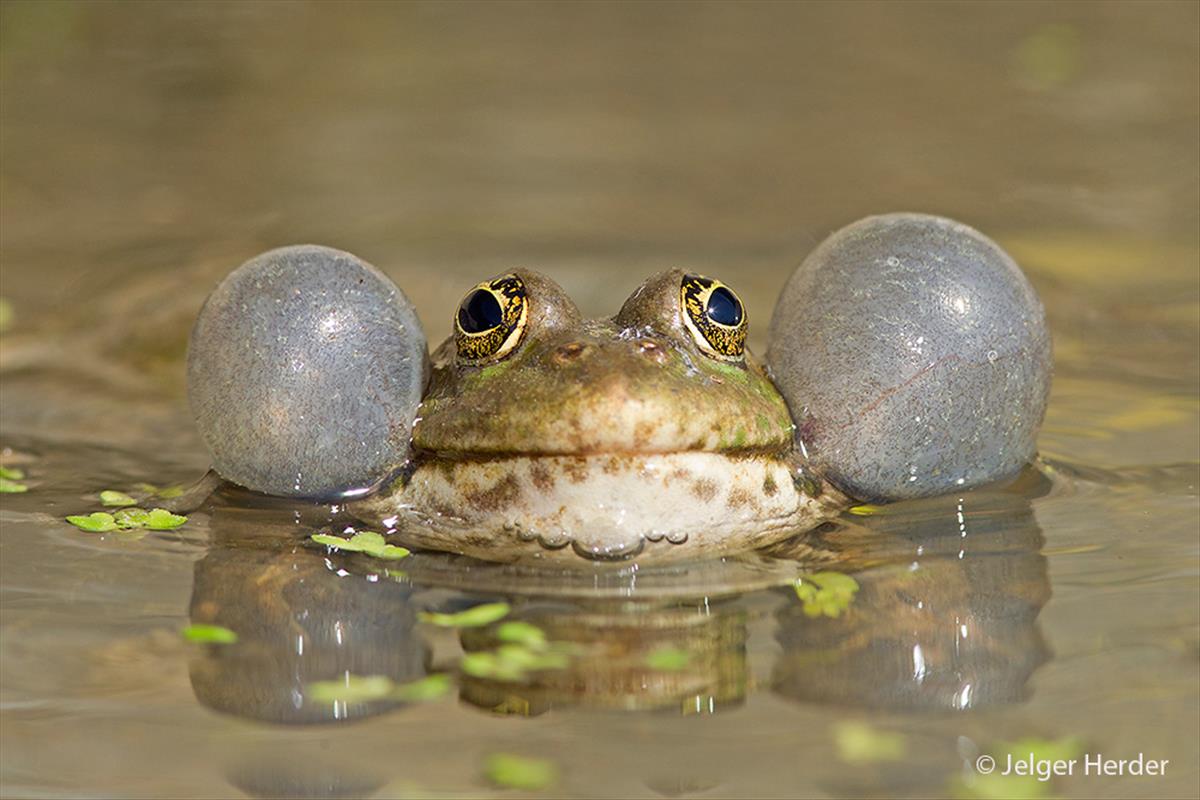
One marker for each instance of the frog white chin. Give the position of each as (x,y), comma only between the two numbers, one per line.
(657,507)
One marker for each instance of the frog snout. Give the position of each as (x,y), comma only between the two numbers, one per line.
(570,352)
(576,352)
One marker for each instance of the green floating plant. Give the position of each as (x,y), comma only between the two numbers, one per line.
(209,634)
(10,480)
(130,518)
(368,688)
(998,786)
(369,542)
(165,493)
(96,522)
(859,743)
(352,689)
(525,650)
(668,659)
(158,519)
(431,687)
(864,510)
(826,593)
(513,662)
(111,497)
(520,772)
(521,633)
(474,617)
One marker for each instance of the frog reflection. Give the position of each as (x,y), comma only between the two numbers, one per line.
(298,623)
(689,656)
(945,617)
(929,627)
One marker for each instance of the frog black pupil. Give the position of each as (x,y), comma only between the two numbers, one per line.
(723,307)
(479,312)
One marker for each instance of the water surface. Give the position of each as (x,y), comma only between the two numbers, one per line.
(149,148)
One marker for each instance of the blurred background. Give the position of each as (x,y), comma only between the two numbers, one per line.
(146,149)
(595,141)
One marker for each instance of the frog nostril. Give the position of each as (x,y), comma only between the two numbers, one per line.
(569,352)
(651,350)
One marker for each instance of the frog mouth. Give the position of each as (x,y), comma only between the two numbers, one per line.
(660,506)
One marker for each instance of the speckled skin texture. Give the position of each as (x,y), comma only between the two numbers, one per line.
(914,356)
(305,369)
(659,507)
(606,439)
(636,383)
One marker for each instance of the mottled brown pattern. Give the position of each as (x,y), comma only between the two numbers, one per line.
(446,468)
(444,509)
(739,497)
(576,469)
(806,485)
(769,486)
(704,489)
(496,498)
(643,431)
(706,504)
(614,464)
(573,387)
(541,475)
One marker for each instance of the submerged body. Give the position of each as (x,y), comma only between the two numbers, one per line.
(607,439)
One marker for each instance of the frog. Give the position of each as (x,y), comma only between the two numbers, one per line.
(907,356)
(655,432)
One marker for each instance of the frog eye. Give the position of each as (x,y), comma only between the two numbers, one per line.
(715,317)
(490,320)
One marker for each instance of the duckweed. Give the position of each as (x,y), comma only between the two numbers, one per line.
(995,785)
(111,497)
(369,542)
(96,522)
(209,634)
(431,687)
(158,519)
(129,518)
(668,659)
(513,662)
(522,633)
(859,743)
(368,688)
(524,650)
(474,617)
(826,593)
(520,772)
(163,492)
(865,510)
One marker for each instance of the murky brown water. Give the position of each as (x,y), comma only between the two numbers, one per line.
(146,149)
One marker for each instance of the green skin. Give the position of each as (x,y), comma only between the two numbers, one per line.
(580,413)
